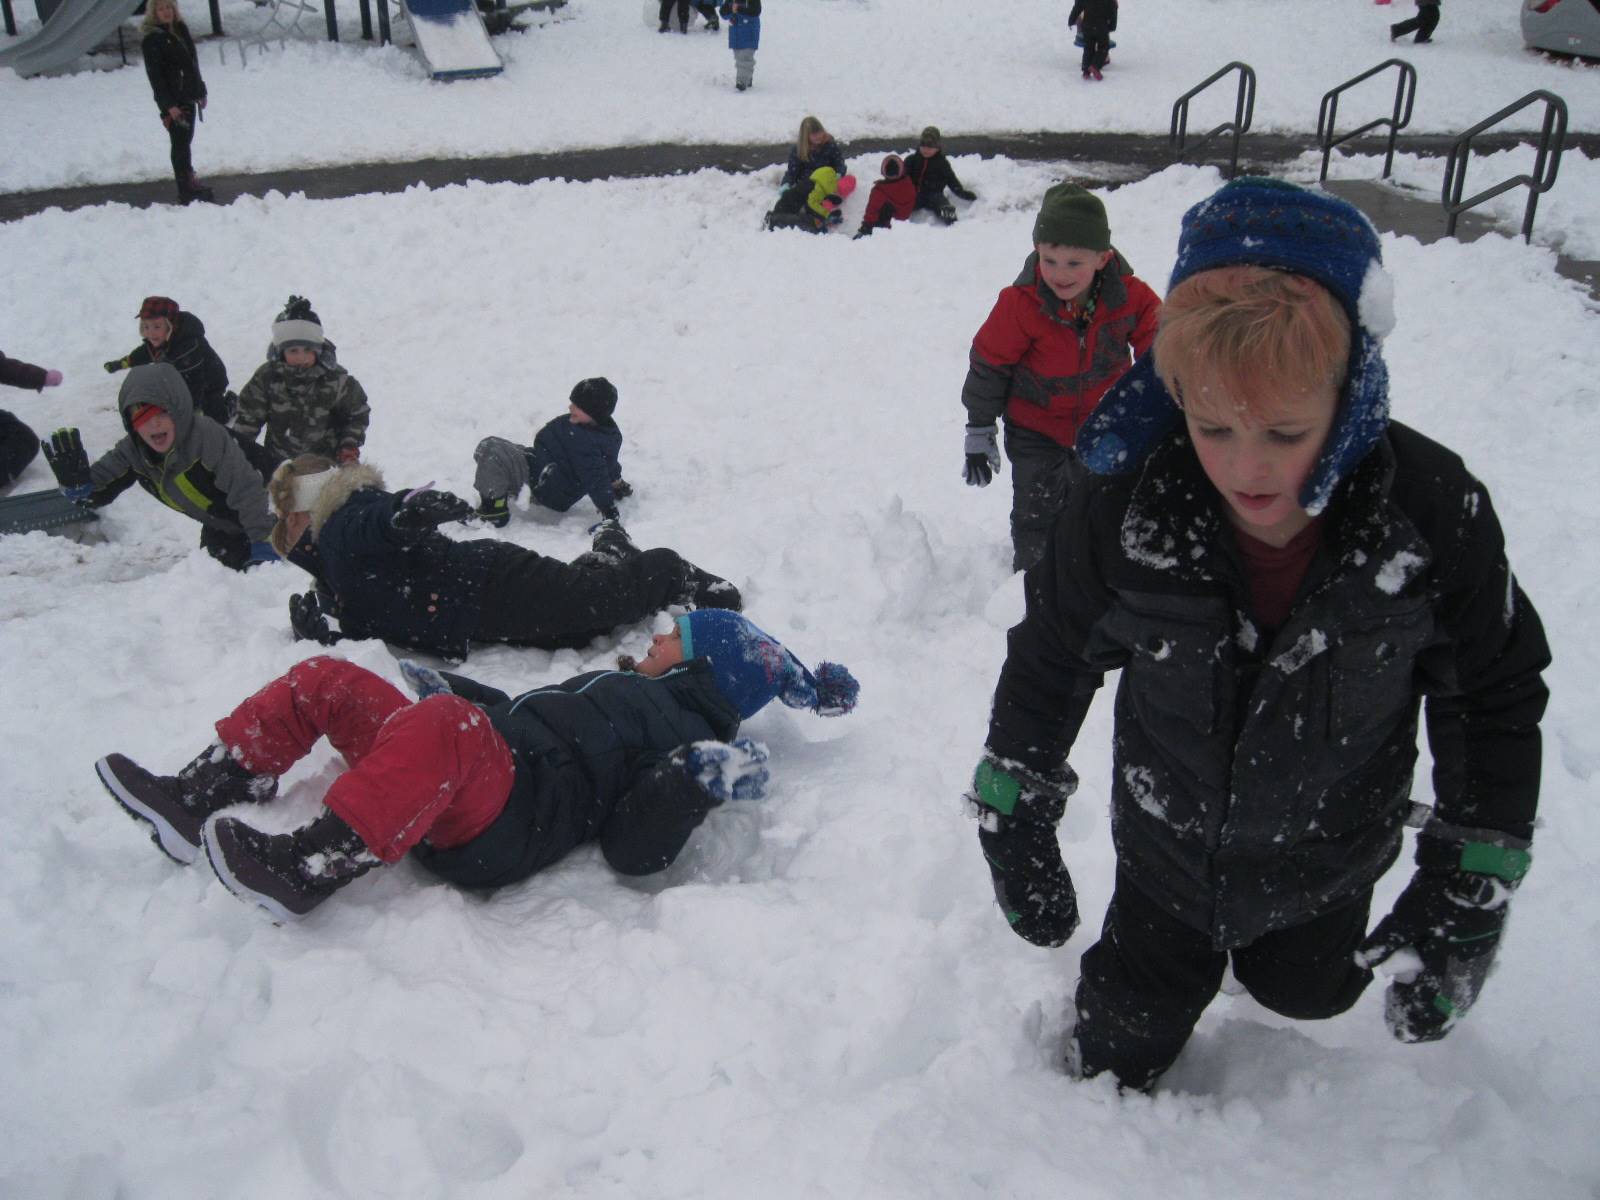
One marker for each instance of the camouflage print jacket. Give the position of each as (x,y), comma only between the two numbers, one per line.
(319,409)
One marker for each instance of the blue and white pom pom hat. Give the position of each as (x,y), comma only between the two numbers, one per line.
(753,668)
(1268,223)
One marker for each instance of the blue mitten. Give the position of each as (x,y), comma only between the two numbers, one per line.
(728,771)
(424,681)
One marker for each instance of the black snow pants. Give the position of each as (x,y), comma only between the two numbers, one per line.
(1041,472)
(1425,22)
(1146,981)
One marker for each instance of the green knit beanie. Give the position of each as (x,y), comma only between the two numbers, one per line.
(1072,216)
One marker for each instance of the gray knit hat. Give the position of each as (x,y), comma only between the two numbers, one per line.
(1072,216)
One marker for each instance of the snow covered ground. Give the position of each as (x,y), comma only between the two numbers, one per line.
(820,1000)
(595,74)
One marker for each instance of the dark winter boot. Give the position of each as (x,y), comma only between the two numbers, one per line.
(946,212)
(176,807)
(288,874)
(702,589)
(611,542)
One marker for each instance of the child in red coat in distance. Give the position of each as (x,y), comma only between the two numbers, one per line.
(1057,338)
(892,198)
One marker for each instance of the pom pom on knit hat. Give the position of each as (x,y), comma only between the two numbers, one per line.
(297,325)
(1282,227)
(1072,216)
(597,397)
(158,307)
(752,667)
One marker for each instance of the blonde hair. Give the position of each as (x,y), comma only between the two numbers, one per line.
(150,24)
(281,489)
(802,143)
(1250,338)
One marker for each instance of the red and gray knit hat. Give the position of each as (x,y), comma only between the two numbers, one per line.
(163,307)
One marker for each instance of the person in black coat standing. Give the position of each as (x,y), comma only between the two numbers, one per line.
(174,70)
(482,788)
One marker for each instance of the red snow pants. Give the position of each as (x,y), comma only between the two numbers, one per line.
(434,769)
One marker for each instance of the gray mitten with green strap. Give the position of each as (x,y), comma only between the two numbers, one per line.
(1017,812)
(1440,939)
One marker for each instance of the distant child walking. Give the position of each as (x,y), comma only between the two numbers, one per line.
(1095,19)
(301,396)
(1284,577)
(180,93)
(574,455)
(1424,23)
(744,38)
(1056,339)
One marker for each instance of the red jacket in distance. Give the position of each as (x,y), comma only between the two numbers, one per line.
(1044,368)
(891,199)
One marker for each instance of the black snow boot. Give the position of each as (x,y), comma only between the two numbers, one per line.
(702,589)
(176,806)
(611,541)
(288,874)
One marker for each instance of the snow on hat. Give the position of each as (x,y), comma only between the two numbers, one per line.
(597,397)
(163,307)
(1268,223)
(297,325)
(752,667)
(892,167)
(1072,216)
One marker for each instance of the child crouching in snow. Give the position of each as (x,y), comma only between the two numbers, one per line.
(482,789)
(894,197)
(1283,576)
(574,455)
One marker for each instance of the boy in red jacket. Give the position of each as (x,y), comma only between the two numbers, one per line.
(893,197)
(1056,339)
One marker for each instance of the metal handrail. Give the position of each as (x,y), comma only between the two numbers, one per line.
(1545,164)
(1405,94)
(1244,109)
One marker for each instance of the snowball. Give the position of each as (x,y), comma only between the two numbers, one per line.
(1376,305)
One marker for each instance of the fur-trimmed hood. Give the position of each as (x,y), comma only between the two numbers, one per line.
(347,481)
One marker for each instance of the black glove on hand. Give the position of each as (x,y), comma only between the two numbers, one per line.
(621,489)
(309,622)
(1441,937)
(69,463)
(426,509)
(115,365)
(966,194)
(1017,812)
(983,455)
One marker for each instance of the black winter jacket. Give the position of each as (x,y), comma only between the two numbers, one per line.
(931,175)
(1257,784)
(570,459)
(1094,18)
(173,67)
(593,761)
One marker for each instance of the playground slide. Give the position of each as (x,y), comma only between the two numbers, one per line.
(73,29)
(451,38)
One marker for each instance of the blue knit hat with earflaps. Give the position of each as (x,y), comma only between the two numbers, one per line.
(752,668)
(1268,223)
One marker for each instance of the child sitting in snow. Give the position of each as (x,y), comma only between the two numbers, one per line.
(482,789)
(574,455)
(171,335)
(1283,576)
(813,205)
(182,458)
(1056,339)
(931,173)
(305,400)
(892,197)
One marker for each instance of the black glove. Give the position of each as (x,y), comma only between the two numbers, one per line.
(610,514)
(1449,919)
(69,462)
(983,454)
(115,365)
(1017,812)
(309,622)
(965,194)
(621,489)
(426,509)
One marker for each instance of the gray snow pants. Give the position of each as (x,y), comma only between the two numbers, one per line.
(502,468)
(744,67)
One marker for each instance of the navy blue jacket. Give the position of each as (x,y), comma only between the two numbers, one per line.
(826,155)
(593,762)
(417,588)
(569,460)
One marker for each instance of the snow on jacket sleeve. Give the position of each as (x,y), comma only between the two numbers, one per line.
(1484,704)
(999,345)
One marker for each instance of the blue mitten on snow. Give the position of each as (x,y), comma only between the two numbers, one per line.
(728,771)
(423,680)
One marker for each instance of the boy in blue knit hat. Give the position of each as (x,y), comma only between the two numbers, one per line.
(1285,578)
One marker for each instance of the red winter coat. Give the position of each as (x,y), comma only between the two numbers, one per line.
(891,199)
(1037,367)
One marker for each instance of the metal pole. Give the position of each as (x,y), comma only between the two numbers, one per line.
(11,20)
(333,20)
(383,22)
(216,19)
(366,20)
